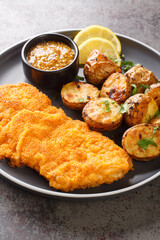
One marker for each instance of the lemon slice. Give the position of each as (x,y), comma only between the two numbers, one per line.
(97,31)
(102,45)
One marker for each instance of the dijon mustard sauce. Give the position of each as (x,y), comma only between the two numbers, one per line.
(50,55)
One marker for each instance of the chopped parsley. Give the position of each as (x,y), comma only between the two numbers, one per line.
(126,65)
(81,100)
(145,142)
(115,60)
(122,56)
(157,114)
(79,78)
(146,87)
(124,107)
(135,89)
(155,129)
(106,102)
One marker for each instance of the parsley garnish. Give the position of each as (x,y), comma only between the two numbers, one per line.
(157,114)
(154,130)
(115,60)
(106,102)
(143,143)
(127,65)
(81,100)
(158,80)
(146,87)
(122,56)
(79,78)
(124,107)
(135,89)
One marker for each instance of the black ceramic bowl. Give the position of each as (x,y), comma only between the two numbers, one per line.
(55,78)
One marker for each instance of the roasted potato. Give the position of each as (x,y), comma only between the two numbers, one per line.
(140,109)
(102,114)
(154,92)
(142,142)
(140,76)
(98,67)
(117,87)
(76,94)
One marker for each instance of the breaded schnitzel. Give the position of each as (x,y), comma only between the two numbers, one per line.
(14,98)
(64,151)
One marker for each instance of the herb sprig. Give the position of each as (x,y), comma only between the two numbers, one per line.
(107,107)
(79,78)
(145,142)
(135,89)
(146,87)
(81,100)
(124,107)
(126,65)
(157,114)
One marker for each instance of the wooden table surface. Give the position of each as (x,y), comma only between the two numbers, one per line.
(27,216)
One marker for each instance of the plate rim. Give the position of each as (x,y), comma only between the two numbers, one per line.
(71,195)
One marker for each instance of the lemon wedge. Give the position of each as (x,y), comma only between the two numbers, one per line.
(103,45)
(97,31)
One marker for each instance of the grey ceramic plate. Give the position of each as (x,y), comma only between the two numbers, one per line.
(11,72)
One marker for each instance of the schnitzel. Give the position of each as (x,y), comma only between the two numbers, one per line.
(64,151)
(14,98)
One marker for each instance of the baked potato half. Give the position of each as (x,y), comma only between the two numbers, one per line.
(76,94)
(154,92)
(141,77)
(117,87)
(98,67)
(102,114)
(140,108)
(142,142)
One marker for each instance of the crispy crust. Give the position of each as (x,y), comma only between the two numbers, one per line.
(63,150)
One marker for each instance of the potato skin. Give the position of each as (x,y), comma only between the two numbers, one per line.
(76,94)
(154,92)
(134,134)
(139,75)
(117,87)
(98,67)
(141,109)
(98,119)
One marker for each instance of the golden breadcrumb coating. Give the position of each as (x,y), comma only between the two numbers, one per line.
(64,151)
(14,98)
